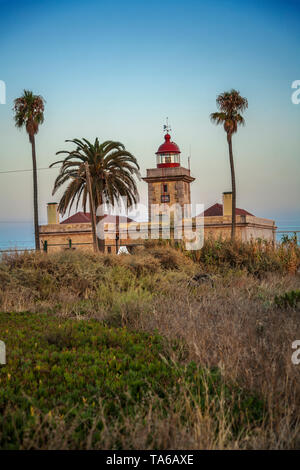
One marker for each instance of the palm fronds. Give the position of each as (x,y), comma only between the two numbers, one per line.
(112,168)
(29,112)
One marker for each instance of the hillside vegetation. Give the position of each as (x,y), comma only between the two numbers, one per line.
(158,349)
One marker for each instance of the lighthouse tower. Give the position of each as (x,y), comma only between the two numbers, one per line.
(168,183)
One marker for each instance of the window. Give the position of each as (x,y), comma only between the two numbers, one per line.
(165,198)
(165,188)
(109,249)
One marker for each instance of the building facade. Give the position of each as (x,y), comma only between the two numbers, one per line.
(169,186)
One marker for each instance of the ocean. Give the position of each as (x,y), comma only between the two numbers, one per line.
(18,235)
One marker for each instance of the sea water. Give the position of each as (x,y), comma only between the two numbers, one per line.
(16,235)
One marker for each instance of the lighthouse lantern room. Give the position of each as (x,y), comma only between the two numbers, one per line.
(168,154)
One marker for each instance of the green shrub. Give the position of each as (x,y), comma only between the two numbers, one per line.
(256,257)
(289,299)
(78,370)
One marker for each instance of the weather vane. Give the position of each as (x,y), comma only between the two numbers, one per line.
(167,127)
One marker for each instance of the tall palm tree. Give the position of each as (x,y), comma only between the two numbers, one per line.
(231,104)
(111,168)
(29,113)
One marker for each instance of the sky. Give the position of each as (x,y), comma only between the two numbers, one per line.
(116,70)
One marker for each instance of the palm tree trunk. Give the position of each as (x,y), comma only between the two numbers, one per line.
(35,196)
(92,206)
(233,185)
(101,242)
(94,224)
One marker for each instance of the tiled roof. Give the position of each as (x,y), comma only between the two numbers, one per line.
(217,210)
(85,217)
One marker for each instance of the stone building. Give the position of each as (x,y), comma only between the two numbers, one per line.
(217,223)
(75,232)
(169,184)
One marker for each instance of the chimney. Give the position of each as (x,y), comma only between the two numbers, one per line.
(227,203)
(52,213)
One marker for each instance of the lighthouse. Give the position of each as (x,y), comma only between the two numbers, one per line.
(168,183)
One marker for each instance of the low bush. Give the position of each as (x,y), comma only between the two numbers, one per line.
(289,299)
(68,371)
(257,257)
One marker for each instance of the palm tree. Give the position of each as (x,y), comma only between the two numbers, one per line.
(108,167)
(29,113)
(230,104)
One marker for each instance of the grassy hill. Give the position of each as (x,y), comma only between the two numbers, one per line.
(159,349)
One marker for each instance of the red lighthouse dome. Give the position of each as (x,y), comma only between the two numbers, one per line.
(168,154)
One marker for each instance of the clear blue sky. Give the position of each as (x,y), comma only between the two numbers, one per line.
(116,69)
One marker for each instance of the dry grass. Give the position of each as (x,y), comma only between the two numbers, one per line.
(235,326)
(228,320)
(151,429)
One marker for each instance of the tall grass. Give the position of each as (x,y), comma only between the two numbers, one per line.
(255,256)
(216,307)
